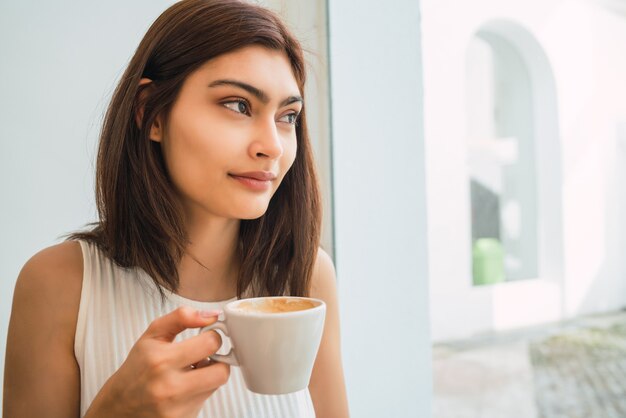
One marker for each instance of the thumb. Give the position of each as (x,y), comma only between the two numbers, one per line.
(167,327)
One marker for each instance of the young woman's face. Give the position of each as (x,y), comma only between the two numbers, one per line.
(231,135)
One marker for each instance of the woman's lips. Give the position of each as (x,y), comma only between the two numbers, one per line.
(257,181)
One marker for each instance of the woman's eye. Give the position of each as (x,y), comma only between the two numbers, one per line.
(239,106)
(291,118)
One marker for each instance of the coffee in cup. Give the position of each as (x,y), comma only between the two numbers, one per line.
(275,305)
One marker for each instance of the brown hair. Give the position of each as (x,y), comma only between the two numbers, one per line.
(140,218)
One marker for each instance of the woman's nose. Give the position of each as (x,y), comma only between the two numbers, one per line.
(267,142)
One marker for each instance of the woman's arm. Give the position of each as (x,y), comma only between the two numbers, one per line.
(327,386)
(41,377)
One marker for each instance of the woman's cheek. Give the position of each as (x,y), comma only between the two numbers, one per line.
(291,149)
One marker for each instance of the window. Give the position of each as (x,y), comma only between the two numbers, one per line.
(503,175)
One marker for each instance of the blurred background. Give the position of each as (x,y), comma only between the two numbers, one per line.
(471,157)
(525,138)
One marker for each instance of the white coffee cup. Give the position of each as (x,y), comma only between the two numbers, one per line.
(275,347)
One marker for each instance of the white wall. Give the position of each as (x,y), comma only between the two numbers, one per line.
(380,219)
(60,61)
(583,43)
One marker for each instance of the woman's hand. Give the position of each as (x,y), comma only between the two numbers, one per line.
(158,378)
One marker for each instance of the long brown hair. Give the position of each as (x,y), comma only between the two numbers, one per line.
(140,218)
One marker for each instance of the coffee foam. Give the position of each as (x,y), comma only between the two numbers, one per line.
(279,305)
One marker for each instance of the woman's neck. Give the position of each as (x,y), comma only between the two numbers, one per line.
(209,268)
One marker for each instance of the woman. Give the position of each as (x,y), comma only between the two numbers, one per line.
(206,192)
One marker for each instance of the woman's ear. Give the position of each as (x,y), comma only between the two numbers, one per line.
(156,133)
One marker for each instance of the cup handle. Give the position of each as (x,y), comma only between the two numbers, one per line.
(229,358)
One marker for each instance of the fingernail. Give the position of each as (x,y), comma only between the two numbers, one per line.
(210,314)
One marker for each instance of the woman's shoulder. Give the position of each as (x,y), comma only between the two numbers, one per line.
(323,279)
(57,266)
(50,284)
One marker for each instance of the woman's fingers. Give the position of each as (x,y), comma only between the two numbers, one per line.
(206,379)
(194,349)
(167,327)
(204,363)
(203,378)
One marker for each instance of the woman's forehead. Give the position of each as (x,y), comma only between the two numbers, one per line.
(267,69)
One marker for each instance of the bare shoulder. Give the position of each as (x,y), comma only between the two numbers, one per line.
(59,267)
(323,279)
(65,256)
(50,282)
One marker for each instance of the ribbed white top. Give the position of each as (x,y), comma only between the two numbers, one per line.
(116,307)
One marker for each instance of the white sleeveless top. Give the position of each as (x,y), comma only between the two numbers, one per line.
(116,307)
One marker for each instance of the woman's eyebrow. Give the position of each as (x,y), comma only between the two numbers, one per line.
(259,94)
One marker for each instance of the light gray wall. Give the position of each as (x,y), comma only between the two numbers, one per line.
(380,219)
(59,62)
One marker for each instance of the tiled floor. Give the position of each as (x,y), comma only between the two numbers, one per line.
(492,381)
(492,376)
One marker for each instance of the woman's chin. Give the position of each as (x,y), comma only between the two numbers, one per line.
(250,213)
(249,217)
(247,209)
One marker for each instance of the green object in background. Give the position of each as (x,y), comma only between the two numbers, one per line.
(488,261)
